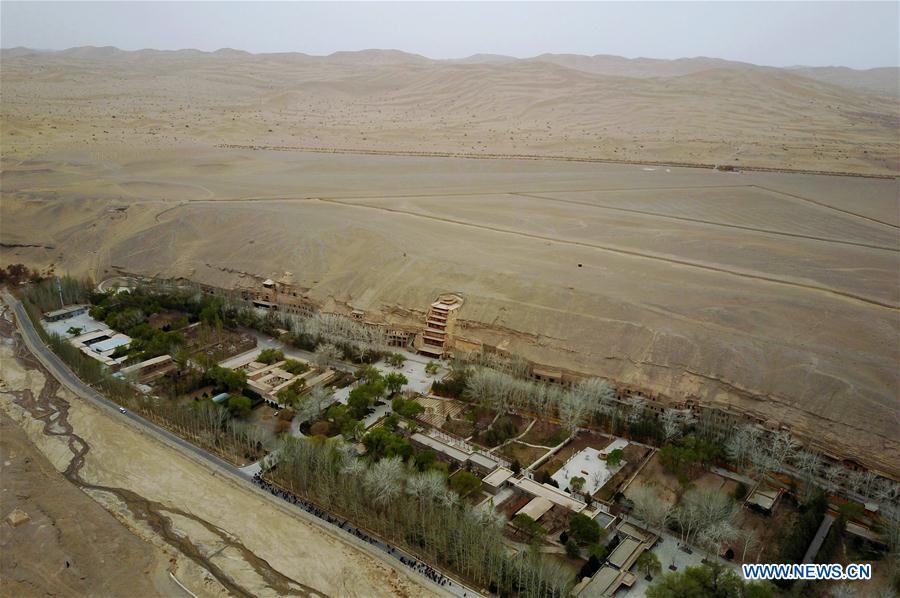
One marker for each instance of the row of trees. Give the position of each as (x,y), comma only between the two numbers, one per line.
(45,295)
(357,339)
(761,454)
(503,391)
(416,510)
(502,385)
(207,424)
(704,517)
(591,400)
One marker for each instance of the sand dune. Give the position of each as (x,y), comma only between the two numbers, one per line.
(700,111)
(883,81)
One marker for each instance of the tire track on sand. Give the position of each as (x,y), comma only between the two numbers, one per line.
(628,252)
(662,215)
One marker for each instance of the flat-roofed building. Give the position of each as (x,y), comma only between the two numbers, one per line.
(601,585)
(111,344)
(626,552)
(457,451)
(536,507)
(454,454)
(151,369)
(764,498)
(268,379)
(554,495)
(495,480)
(483,463)
(101,344)
(66,312)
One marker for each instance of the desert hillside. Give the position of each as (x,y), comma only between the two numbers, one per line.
(696,111)
(772,293)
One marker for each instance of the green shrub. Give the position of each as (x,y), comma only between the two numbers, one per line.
(584,529)
(270,356)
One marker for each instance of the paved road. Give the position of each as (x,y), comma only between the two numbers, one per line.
(55,365)
(62,373)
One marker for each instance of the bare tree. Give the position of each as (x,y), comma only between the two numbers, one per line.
(808,464)
(573,407)
(885,490)
(834,477)
(749,540)
(890,522)
(714,535)
(601,396)
(674,422)
(326,354)
(861,482)
(782,449)
(743,444)
(635,405)
(703,509)
(650,508)
(384,480)
(313,404)
(337,329)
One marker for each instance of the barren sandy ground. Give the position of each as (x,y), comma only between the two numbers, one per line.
(217,536)
(71,546)
(774,293)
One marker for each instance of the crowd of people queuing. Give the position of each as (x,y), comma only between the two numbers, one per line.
(412,563)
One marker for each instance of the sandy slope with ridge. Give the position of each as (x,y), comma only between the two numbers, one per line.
(774,293)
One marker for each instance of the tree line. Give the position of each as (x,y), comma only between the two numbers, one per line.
(417,511)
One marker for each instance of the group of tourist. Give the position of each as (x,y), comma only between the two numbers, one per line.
(410,562)
(425,570)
